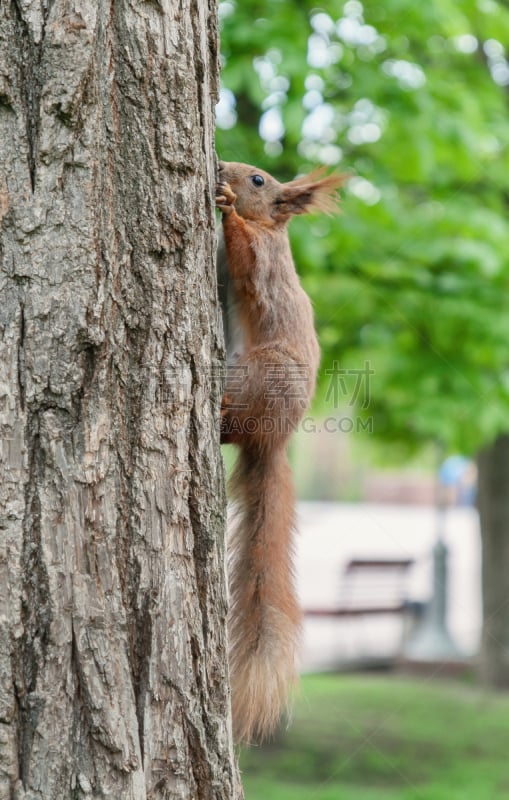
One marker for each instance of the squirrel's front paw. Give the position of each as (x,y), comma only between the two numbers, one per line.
(225,197)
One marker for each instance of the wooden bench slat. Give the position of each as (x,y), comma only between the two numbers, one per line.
(370,586)
(353,612)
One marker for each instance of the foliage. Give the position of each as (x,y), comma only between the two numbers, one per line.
(412,99)
(384,739)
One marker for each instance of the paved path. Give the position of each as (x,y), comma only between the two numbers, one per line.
(330,534)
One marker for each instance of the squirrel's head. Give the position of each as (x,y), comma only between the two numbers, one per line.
(261,197)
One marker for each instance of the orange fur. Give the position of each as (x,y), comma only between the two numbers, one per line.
(264,620)
(266,396)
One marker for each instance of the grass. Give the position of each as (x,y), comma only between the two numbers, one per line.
(385,738)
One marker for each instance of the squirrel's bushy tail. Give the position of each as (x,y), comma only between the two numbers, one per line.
(264,618)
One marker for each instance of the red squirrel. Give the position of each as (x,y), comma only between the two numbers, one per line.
(269,385)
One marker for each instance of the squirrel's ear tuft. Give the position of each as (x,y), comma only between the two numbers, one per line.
(310,193)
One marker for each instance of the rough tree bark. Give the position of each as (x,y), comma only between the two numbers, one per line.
(493,502)
(113,676)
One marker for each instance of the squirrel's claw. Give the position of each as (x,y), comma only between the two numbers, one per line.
(225,197)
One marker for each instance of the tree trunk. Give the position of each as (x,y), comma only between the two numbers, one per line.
(493,503)
(113,674)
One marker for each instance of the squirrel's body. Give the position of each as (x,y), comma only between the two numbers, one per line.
(281,314)
(273,361)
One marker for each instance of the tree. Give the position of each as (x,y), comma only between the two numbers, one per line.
(113,674)
(493,464)
(412,278)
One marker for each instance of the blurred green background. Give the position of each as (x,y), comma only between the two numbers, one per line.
(380,738)
(409,284)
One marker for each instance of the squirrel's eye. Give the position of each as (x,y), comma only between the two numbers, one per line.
(257,180)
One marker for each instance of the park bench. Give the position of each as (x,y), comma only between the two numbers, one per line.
(371,587)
